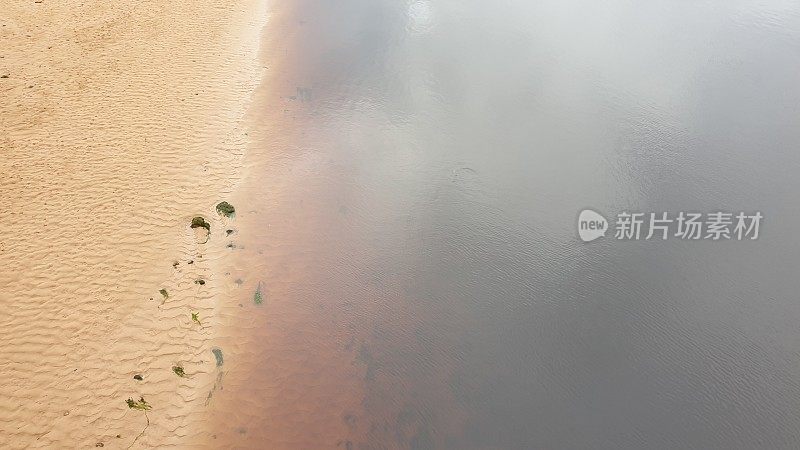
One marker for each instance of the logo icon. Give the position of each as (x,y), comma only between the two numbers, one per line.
(591,225)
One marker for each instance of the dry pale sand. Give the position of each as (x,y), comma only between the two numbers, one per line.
(119,121)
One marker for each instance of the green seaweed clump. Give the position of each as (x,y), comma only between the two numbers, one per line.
(199,222)
(258,297)
(218,355)
(141,404)
(196,319)
(226,209)
(164,293)
(179,371)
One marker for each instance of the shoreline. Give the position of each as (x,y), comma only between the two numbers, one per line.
(119,124)
(295,378)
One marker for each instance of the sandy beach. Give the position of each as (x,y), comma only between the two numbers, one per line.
(119,123)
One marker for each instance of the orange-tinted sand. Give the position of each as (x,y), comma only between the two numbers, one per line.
(119,121)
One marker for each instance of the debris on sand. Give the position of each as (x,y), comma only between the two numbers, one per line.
(200,222)
(141,404)
(218,355)
(258,297)
(226,209)
(179,371)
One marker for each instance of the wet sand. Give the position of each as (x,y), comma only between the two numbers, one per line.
(303,370)
(292,379)
(118,124)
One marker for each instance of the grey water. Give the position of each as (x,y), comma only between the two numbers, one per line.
(454,144)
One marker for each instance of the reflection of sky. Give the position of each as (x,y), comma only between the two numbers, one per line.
(420,15)
(463,137)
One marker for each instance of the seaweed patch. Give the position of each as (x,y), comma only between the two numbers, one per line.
(179,371)
(218,355)
(258,297)
(141,404)
(226,209)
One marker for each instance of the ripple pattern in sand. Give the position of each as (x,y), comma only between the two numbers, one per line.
(118,123)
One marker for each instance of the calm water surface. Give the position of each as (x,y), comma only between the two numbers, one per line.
(422,166)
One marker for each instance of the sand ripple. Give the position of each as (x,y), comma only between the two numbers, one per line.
(118,123)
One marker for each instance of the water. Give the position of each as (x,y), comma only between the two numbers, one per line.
(421,167)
